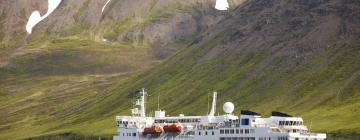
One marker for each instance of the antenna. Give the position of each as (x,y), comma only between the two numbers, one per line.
(158,102)
(142,113)
(213,106)
(208,103)
(310,125)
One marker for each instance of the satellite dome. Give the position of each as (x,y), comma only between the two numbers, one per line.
(228,107)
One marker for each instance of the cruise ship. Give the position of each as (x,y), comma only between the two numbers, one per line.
(247,126)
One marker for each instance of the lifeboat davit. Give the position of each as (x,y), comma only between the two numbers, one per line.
(154,131)
(173,128)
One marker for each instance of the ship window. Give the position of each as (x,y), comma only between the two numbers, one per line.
(245,121)
(226,131)
(246,131)
(241,131)
(205,132)
(134,134)
(221,131)
(286,122)
(232,131)
(199,133)
(237,131)
(212,132)
(296,138)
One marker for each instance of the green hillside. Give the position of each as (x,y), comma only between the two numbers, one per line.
(299,57)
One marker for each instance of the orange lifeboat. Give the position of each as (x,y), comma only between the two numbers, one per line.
(154,131)
(173,128)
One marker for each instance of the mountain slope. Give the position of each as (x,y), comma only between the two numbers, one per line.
(68,63)
(301,59)
(298,56)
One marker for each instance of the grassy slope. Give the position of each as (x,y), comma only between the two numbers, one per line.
(48,80)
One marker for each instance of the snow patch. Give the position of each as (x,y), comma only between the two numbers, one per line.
(35,16)
(222,5)
(102,11)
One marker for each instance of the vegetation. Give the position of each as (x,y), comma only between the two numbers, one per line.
(71,85)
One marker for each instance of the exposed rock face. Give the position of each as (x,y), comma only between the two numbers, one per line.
(160,24)
(163,24)
(14,15)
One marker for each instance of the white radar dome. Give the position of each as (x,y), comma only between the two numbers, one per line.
(228,107)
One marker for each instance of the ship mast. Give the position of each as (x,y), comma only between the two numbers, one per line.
(142,103)
(158,104)
(213,106)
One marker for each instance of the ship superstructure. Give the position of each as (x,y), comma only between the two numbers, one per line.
(248,126)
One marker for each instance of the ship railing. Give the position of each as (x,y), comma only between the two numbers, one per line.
(185,136)
(207,128)
(308,134)
(264,125)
